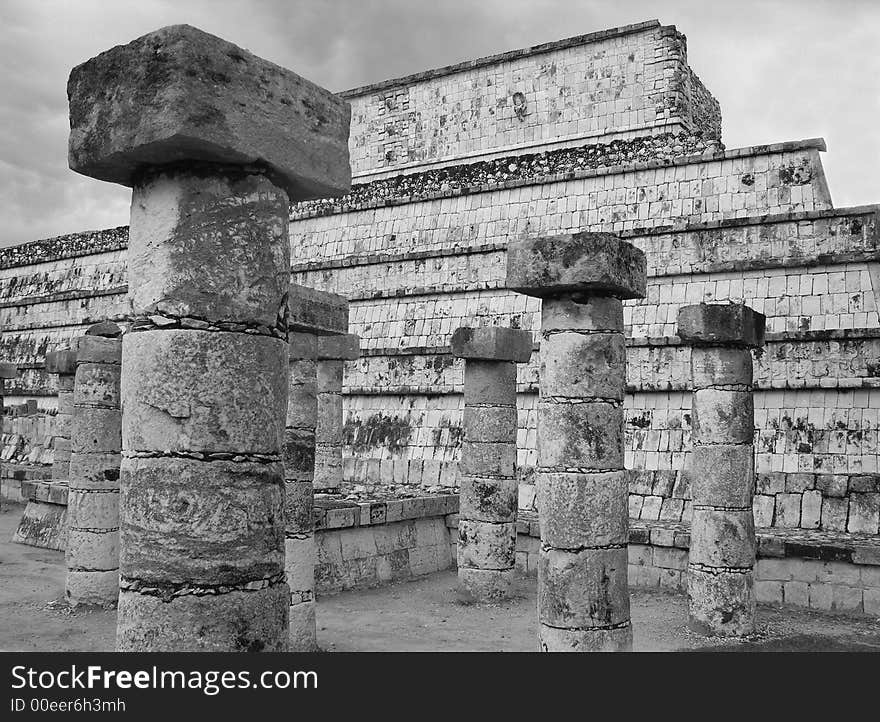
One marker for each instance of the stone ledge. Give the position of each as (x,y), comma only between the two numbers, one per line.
(387,506)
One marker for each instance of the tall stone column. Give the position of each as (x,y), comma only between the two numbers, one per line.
(333,352)
(488,497)
(583,598)
(63,364)
(721,599)
(93,487)
(215,143)
(311,312)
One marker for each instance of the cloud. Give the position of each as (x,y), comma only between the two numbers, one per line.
(782,71)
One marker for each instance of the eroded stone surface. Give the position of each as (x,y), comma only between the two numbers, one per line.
(484,585)
(720,416)
(239,621)
(552,639)
(317,312)
(493,500)
(342,347)
(484,545)
(578,510)
(204,392)
(580,435)
(589,263)
(492,343)
(723,475)
(576,365)
(181,94)
(722,603)
(723,538)
(728,324)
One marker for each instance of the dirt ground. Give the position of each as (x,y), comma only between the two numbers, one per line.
(420,615)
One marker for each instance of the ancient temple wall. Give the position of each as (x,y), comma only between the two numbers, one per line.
(622,82)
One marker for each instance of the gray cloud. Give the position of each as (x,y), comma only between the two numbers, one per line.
(782,70)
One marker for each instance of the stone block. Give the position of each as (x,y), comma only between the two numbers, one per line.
(97,384)
(342,347)
(181,94)
(94,471)
(768,592)
(492,343)
(725,324)
(239,621)
(92,550)
(580,435)
(96,430)
(723,475)
(579,510)
(61,362)
(721,604)
(204,391)
(89,509)
(720,367)
(168,538)
(194,252)
(593,313)
(864,513)
(596,264)
(103,329)
(484,585)
(483,545)
(97,349)
(583,589)
(796,594)
(553,639)
(486,499)
(490,424)
(316,312)
(84,587)
(832,484)
(720,416)
(481,459)
(489,382)
(8,370)
(575,365)
(834,514)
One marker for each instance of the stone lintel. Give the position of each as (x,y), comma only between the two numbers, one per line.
(317,312)
(597,264)
(180,94)
(344,347)
(721,324)
(61,362)
(492,343)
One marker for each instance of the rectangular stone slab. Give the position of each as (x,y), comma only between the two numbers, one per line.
(181,94)
(726,324)
(597,264)
(317,312)
(492,343)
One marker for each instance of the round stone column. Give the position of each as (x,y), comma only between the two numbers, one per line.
(219,143)
(721,599)
(93,487)
(299,464)
(583,597)
(488,497)
(333,352)
(62,363)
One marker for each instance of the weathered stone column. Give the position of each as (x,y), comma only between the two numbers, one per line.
(333,352)
(7,371)
(62,363)
(488,496)
(215,143)
(93,486)
(311,312)
(583,598)
(721,599)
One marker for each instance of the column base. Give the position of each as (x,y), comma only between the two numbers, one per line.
(721,604)
(303,629)
(92,587)
(481,586)
(553,639)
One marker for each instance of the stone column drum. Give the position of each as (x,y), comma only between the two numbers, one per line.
(721,599)
(311,312)
(583,598)
(489,494)
(333,352)
(215,143)
(93,486)
(63,364)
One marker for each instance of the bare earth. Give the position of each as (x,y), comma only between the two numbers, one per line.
(421,615)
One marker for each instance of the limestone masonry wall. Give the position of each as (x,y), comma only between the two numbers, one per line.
(605,142)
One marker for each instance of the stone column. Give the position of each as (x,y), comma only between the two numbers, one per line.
(489,494)
(7,371)
(583,598)
(93,487)
(721,599)
(63,364)
(215,143)
(333,352)
(311,312)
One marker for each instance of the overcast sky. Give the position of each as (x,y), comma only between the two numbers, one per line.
(782,70)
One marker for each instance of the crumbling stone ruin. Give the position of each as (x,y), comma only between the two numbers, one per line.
(607,133)
(488,495)
(583,594)
(95,457)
